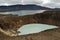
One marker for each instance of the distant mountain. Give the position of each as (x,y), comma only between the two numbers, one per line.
(56,9)
(23,7)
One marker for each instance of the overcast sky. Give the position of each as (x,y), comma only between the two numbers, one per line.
(46,3)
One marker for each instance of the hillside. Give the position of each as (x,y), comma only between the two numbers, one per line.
(53,34)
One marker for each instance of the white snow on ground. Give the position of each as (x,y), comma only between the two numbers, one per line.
(45,3)
(34,28)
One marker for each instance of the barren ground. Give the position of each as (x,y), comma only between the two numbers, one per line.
(46,35)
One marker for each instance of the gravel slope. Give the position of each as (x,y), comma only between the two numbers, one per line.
(46,35)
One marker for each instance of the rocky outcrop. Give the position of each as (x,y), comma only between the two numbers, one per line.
(14,22)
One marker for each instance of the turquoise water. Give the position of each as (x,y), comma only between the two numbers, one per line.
(34,28)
